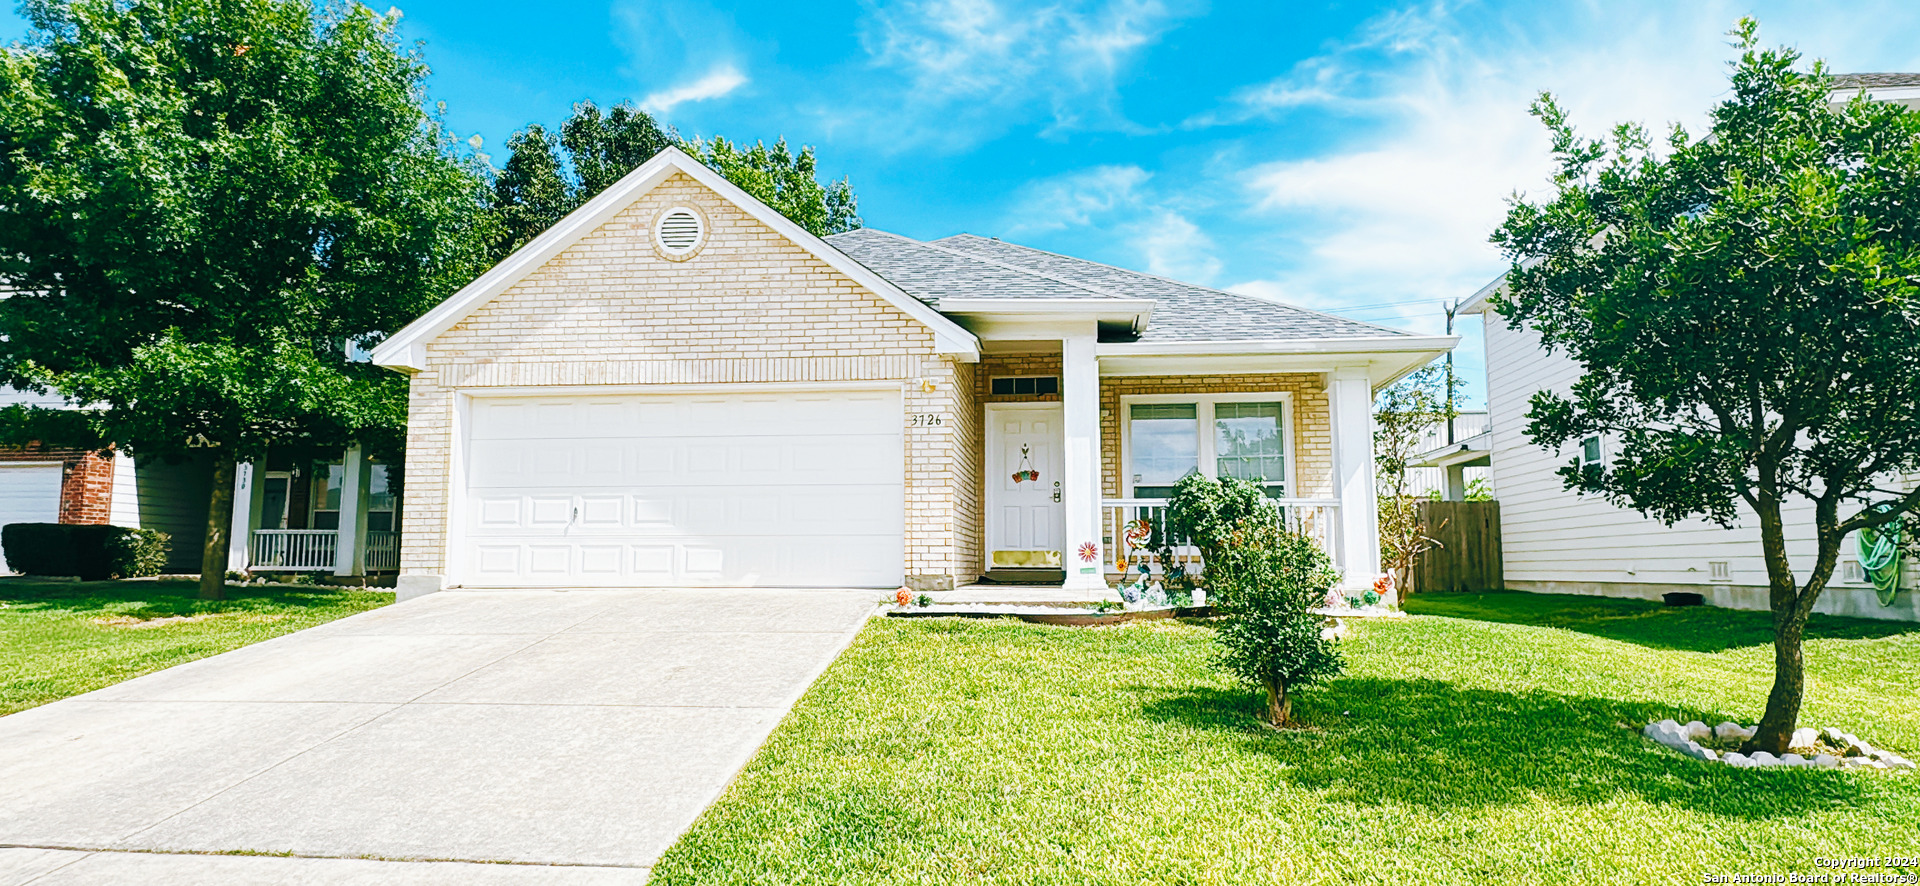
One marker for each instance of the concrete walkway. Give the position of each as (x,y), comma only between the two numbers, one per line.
(576,734)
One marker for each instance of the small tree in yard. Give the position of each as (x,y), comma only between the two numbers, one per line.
(1218,517)
(1746,309)
(1402,416)
(201,204)
(1268,638)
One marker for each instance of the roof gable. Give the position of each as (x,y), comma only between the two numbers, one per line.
(406,350)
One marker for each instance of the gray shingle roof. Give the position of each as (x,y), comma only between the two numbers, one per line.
(967,266)
(930,272)
(1185,312)
(1872,80)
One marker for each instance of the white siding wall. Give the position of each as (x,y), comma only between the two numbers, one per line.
(11,396)
(1557,541)
(124,506)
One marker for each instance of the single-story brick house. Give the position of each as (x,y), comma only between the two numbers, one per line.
(677,386)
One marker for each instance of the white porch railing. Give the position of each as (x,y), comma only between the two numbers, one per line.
(293,550)
(1133,525)
(383,550)
(314,550)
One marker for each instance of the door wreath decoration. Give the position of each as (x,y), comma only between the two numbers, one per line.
(1026,471)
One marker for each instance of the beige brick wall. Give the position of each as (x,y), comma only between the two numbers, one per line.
(751,306)
(969,487)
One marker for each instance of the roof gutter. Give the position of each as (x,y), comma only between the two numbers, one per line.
(1355,345)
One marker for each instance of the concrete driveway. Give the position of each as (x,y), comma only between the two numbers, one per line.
(575,733)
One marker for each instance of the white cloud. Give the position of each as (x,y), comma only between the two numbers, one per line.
(714,84)
(1174,247)
(1402,211)
(982,64)
(1154,228)
(1078,198)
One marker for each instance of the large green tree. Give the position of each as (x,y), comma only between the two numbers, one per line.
(545,178)
(1745,306)
(201,203)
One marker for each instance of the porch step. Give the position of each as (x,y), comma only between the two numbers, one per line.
(1054,577)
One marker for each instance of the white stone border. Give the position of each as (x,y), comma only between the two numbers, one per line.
(1686,740)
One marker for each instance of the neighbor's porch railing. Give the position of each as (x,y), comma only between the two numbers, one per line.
(314,550)
(383,550)
(1134,526)
(293,550)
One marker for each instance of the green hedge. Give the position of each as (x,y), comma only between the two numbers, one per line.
(91,551)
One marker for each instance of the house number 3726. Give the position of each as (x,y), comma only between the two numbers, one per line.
(926,419)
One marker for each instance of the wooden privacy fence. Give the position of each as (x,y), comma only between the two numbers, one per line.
(1467,557)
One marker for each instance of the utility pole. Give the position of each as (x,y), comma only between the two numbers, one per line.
(1452,308)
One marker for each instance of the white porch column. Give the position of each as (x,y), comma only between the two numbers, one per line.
(1456,482)
(350,544)
(1350,394)
(1080,474)
(246,504)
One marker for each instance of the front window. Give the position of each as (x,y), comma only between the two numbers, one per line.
(1218,437)
(382,496)
(1166,446)
(1247,444)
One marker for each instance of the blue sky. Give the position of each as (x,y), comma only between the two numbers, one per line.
(1348,156)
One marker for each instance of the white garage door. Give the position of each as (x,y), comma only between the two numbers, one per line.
(29,493)
(771,489)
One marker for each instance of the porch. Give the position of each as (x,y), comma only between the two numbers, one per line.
(1083,442)
(316,511)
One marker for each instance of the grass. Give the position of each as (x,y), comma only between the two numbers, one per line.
(63,638)
(1488,738)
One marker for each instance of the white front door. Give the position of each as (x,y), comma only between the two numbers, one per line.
(1025,521)
(755,487)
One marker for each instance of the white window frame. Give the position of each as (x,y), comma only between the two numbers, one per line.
(1204,403)
(1580,452)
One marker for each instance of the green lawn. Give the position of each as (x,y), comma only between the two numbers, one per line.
(64,638)
(1489,738)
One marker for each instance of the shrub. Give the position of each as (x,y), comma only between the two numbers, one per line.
(1268,639)
(1229,520)
(131,553)
(90,551)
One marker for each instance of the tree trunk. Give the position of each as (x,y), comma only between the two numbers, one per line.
(1775,729)
(1789,624)
(213,557)
(1279,706)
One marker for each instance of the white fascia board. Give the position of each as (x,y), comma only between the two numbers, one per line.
(406,350)
(1477,303)
(1877,93)
(1047,305)
(1385,359)
(1438,344)
(1465,449)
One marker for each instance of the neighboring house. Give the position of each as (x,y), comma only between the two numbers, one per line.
(288,521)
(677,386)
(1557,541)
(41,484)
(1451,458)
(316,510)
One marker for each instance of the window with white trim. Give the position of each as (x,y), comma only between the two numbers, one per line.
(1592,455)
(330,479)
(1237,435)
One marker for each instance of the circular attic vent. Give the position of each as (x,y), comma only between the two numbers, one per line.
(678,231)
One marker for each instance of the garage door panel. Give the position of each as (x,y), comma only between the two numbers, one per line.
(767,489)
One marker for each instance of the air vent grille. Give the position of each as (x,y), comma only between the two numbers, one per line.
(679,231)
